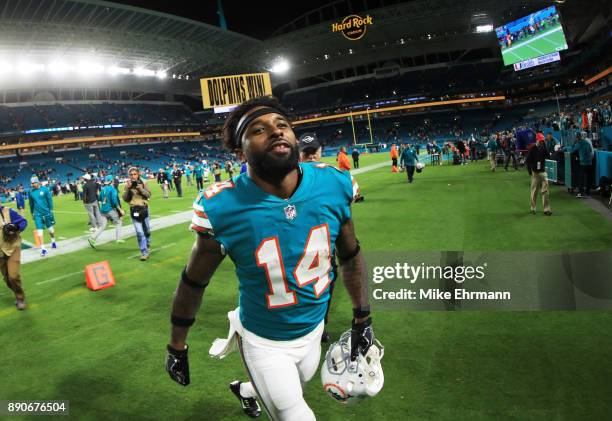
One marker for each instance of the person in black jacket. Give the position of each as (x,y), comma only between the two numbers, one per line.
(355,156)
(536,158)
(177,175)
(509,148)
(461,149)
(90,202)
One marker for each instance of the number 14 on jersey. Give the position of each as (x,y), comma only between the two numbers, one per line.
(312,268)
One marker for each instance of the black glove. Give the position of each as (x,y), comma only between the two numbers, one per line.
(10,229)
(362,337)
(177,365)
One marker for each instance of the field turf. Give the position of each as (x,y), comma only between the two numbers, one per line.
(104,351)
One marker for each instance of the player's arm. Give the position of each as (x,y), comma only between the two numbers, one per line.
(355,278)
(205,257)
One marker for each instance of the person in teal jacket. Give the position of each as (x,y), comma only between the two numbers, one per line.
(584,148)
(492,147)
(550,143)
(408,159)
(110,207)
(198,173)
(168,171)
(41,208)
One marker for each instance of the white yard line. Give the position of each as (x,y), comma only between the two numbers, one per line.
(133,256)
(370,168)
(536,50)
(60,277)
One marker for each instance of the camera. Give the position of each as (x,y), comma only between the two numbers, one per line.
(10,230)
(134,184)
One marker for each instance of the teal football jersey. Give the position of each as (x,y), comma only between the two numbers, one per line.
(41,202)
(282,248)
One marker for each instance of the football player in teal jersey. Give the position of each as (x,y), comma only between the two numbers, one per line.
(280,223)
(110,207)
(41,208)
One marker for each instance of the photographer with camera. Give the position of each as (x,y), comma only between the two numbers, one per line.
(10,252)
(137,195)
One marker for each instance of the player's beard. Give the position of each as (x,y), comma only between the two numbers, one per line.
(271,168)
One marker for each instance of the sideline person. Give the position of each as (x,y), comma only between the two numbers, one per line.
(111,211)
(408,160)
(12,224)
(90,202)
(536,160)
(137,195)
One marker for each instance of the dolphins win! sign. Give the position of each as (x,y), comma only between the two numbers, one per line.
(225,91)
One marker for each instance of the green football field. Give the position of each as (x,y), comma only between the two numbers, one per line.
(549,42)
(104,351)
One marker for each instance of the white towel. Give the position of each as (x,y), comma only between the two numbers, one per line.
(221,348)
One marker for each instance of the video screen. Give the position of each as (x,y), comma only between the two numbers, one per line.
(532,36)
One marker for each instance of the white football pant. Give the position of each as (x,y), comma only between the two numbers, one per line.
(278,369)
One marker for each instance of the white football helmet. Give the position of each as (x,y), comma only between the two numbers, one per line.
(351,381)
(420,165)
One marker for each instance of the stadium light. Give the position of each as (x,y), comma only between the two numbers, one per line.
(484,28)
(27,68)
(58,68)
(116,70)
(141,71)
(87,68)
(5,68)
(281,66)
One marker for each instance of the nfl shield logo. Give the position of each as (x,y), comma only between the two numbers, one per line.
(290,212)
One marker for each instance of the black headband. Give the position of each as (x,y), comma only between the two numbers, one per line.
(248,118)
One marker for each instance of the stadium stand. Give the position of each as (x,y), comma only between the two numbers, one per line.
(36,117)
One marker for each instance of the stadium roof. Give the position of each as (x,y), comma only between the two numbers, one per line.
(406,33)
(125,35)
(413,28)
(399,29)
